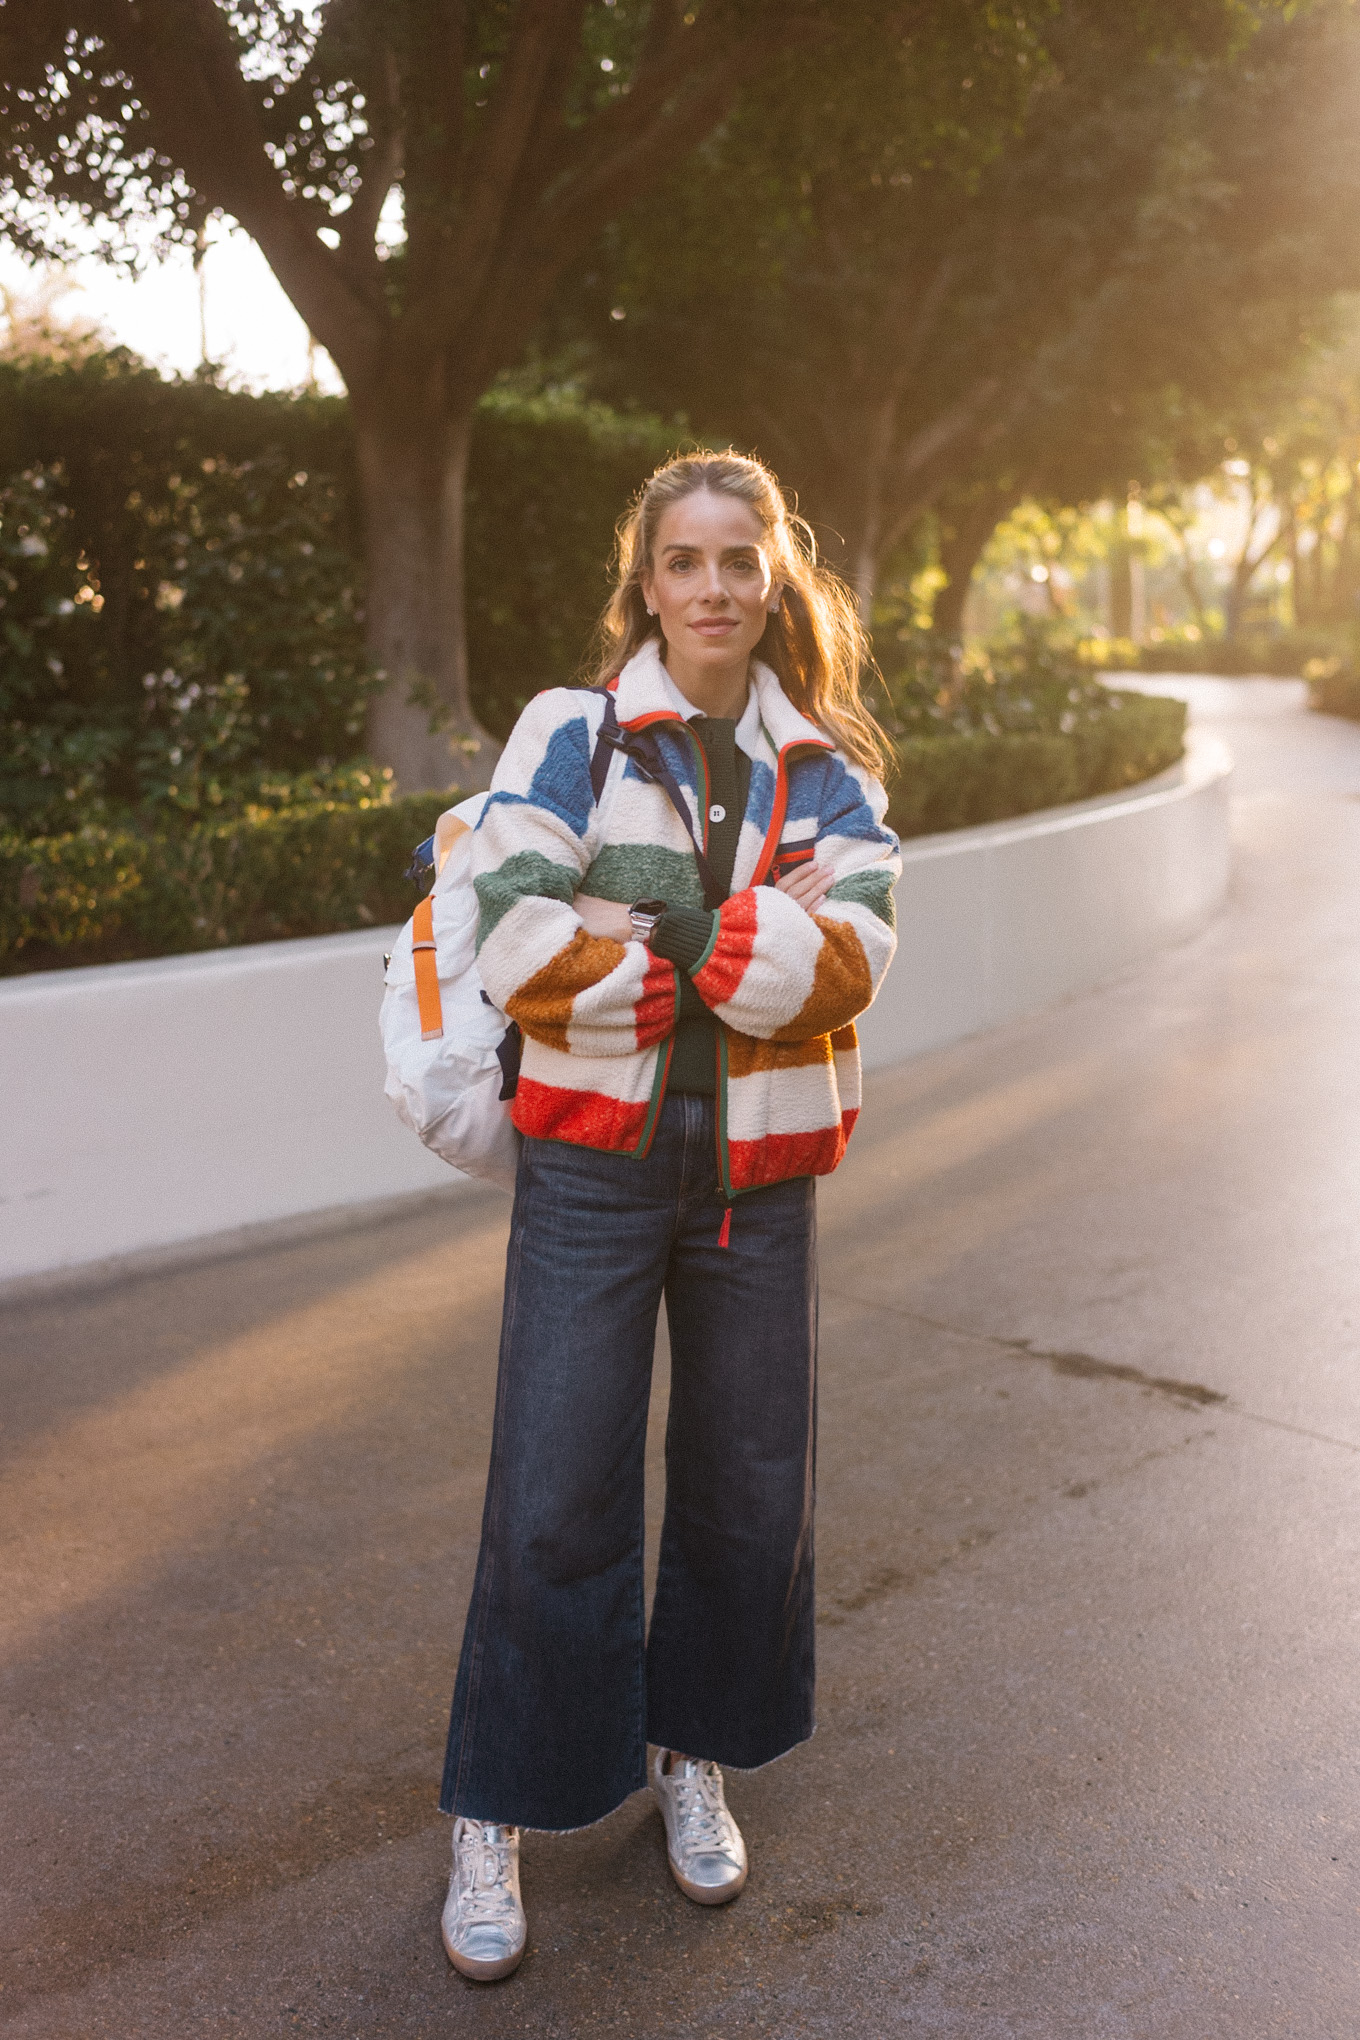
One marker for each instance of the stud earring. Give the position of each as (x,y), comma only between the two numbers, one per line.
(651,611)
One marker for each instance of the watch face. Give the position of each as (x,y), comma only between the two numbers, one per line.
(649,907)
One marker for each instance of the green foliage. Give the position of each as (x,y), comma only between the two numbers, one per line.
(179,603)
(550,478)
(959,778)
(181,619)
(1021,726)
(103,894)
(1016,251)
(1336,691)
(1328,659)
(1285,653)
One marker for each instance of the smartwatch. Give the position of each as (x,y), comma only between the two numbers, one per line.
(644,915)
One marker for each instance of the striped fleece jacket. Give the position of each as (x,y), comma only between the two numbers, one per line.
(598,1016)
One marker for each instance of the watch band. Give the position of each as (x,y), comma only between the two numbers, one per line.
(644,915)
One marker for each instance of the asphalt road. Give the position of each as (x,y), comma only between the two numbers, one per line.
(1090,1628)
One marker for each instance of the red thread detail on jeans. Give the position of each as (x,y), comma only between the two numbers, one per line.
(725,1229)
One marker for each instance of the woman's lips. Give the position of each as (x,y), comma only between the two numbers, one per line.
(717,626)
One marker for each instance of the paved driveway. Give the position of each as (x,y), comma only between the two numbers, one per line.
(1090,1621)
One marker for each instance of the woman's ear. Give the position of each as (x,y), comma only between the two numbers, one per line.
(772,608)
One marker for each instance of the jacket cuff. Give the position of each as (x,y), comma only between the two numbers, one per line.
(683,934)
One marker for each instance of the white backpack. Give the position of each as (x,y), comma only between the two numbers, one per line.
(451,1054)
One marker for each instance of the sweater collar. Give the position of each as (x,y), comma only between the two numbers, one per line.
(647,693)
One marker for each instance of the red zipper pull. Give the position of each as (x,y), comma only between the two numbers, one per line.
(725,1229)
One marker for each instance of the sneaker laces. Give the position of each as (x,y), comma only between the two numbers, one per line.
(703,1815)
(485,1896)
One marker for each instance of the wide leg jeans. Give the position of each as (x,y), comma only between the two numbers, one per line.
(559,1687)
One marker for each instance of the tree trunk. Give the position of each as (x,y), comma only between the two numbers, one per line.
(1247,565)
(1190,579)
(413,477)
(1121,587)
(1237,592)
(1338,603)
(868,540)
(965,530)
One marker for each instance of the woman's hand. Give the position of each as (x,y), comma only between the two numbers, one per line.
(605,918)
(808,885)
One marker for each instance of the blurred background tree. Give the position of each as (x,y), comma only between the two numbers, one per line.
(1042,265)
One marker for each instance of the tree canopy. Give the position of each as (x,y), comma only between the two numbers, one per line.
(1016,267)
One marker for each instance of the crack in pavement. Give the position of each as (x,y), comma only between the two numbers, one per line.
(1085,1367)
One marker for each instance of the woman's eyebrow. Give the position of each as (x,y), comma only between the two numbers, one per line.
(752,545)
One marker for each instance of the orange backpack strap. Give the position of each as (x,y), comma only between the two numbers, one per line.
(427,971)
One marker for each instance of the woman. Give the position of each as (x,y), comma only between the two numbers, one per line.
(685,942)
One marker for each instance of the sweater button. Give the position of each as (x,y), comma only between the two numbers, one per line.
(717,813)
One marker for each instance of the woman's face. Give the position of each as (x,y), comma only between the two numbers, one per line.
(709,580)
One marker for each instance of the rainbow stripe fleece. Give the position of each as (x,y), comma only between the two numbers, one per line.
(598,1016)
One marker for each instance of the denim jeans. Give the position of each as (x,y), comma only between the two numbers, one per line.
(557,1693)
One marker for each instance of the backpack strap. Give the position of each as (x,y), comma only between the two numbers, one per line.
(422,860)
(641,746)
(607,742)
(427,971)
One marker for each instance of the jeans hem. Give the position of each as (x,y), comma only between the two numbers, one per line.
(730,1764)
(528,1827)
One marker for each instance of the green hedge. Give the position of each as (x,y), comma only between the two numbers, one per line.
(1018,724)
(1328,659)
(548,480)
(103,895)
(181,584)
(956,779)
(1286,653)
(1336,693)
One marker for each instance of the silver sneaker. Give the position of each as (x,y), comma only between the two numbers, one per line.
(703,1843)
(483,1923)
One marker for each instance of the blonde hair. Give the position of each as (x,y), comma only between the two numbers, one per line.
(814,641)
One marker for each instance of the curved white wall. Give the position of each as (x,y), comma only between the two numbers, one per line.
(148,1104)
(1002,920)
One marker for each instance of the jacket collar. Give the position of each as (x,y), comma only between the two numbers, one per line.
(646,693)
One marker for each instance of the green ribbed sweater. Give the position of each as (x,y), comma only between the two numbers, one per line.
(684,933)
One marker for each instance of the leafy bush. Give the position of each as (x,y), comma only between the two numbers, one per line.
(1328,659)
(957,779)
(179,606)
(104,894)
(181,598)
(1335,690)
(1021,726)
(549,478)
(101,894)
(1285,653)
